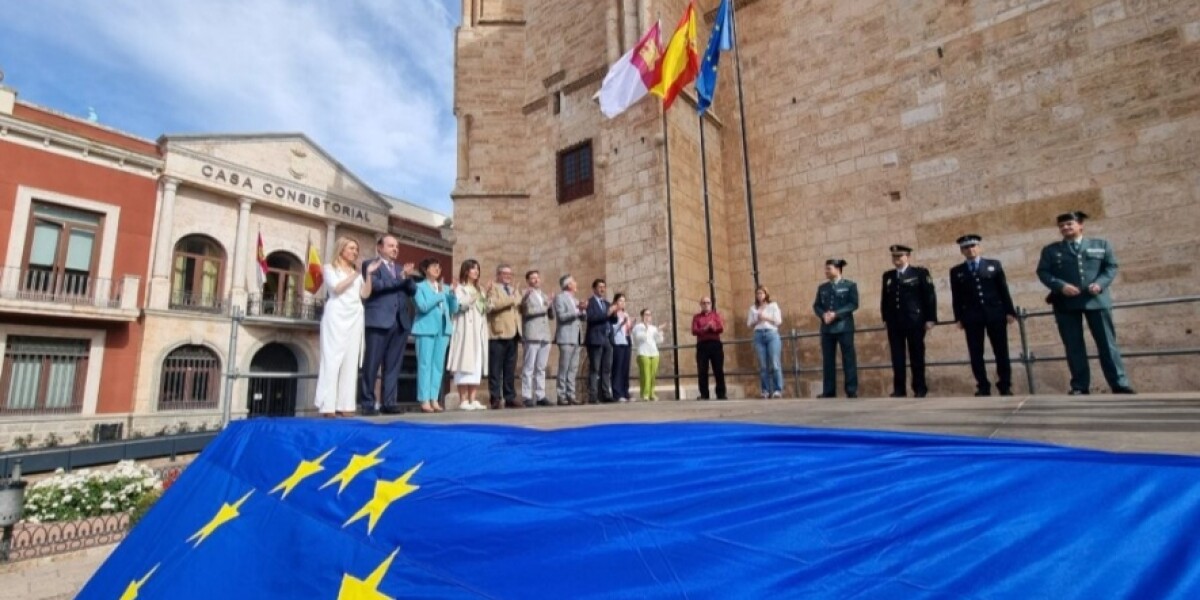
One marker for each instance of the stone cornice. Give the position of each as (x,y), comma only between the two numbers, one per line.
(67,144)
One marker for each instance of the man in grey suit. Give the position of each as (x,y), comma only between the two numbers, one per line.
(535,319)
(1079,272)
(569,312)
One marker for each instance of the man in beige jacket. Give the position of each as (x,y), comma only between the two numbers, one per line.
(504,331)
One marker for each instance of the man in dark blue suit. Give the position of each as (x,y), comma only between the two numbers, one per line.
(983,307)
(387,314)
(601,317)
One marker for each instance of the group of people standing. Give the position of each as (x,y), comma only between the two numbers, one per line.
(1077,271)
(474,331)
(471,331)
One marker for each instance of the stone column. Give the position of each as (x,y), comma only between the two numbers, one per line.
(241,253)
(160,282)
(612,32)
(330,241)
(464,151)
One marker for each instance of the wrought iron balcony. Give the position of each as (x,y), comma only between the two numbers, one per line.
(296,309)
(35,290)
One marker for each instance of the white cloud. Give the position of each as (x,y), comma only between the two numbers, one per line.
(371,81)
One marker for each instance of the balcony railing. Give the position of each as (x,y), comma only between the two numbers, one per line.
(300,309)
(69,288)
(199,302)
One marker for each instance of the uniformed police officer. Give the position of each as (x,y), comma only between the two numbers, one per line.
(1079,272)
(836,301)
(908,305)
(983,306)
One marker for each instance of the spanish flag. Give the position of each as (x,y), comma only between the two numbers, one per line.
(312,272)
(680,61)
(260,267)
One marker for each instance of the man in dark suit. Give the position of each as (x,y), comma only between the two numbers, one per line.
(908,305)
(387,314)
(983,306)
(601,317)
(1079,272)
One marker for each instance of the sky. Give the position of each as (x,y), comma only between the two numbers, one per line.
(370,81)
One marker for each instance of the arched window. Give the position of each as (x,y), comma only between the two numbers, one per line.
(191,378)
(198,270)
(283,289)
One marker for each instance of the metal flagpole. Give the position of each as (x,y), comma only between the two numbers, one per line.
(712,289)
(737,61)
(671,259)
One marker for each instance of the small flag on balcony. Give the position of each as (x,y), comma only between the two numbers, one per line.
(260,270)
(312,272)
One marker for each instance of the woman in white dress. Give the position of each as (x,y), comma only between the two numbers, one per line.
(342,330)
(469,342)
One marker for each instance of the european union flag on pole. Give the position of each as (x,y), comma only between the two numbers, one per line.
(719,41)
(314,509)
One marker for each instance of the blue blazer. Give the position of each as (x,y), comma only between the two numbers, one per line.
(389,302)
(434,310)
(599,323)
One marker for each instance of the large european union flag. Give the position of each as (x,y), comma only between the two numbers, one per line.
(303,508)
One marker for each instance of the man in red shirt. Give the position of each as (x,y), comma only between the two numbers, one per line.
(707,326)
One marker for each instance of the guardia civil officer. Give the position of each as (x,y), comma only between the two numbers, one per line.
(836,301)
(983,306)
(1079,272)
(908,305)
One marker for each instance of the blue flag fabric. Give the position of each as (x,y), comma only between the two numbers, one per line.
(298,508)
(719,41)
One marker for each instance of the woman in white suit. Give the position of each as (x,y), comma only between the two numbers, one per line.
(342,330)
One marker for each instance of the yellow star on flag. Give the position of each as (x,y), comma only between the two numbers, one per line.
(358,464)
(354,588)
(131,592)
(386,492)
(227,513)
(305,469)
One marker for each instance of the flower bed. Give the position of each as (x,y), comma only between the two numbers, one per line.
(87,493)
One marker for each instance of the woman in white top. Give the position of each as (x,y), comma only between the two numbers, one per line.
(621,351)
(765,318)
(469,342)
(646,338)
(342,330)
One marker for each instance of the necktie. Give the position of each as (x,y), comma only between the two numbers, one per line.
(392,268)
(974,266)
(506,292)
(1075,247)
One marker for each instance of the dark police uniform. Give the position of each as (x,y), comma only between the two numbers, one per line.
(982,305)
(1081,264)
(908,302)
(840,297)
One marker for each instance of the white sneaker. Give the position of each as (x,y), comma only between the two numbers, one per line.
(465,406)
(477,405)
(764,395)
(777,395)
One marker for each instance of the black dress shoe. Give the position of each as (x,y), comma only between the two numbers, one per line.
(982,393)
(827,396)
(367,411)
(898,395)
(1123,389)
(1078,393)
(513,404)
(391,410)
(544,402)
(852,395)
(529,404)
(1006,392)
(494,405)
(920,394)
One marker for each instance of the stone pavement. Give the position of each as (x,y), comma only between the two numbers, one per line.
(1167,423)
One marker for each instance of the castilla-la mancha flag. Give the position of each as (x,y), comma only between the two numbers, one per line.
(633,75)
(680,61)
(313,279)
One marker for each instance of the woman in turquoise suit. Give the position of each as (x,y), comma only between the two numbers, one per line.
(432,327)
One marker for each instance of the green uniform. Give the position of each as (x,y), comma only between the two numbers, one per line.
(840,297)
(1081,264)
